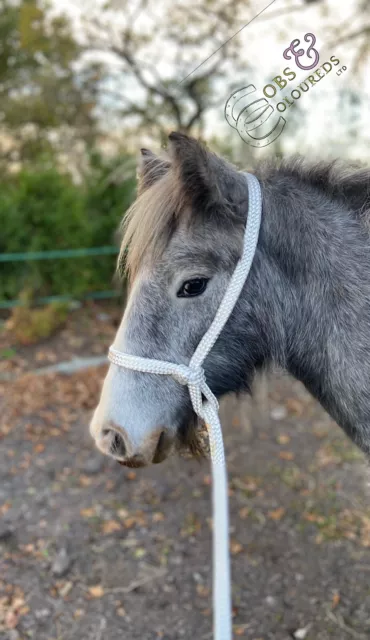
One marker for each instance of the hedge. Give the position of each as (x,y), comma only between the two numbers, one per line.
(45,210)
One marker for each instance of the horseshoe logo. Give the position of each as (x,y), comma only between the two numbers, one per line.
(247,118)
(291,50)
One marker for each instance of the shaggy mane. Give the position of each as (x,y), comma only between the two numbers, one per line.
(347,183)
(152,218)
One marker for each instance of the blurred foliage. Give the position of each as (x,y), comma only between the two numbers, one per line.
(44,210)
(128,67)
(69,84)
(40,87)
(145,40)
(29,325)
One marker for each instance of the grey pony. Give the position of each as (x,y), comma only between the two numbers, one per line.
(305,306)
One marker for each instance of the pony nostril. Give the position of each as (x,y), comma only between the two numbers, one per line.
(114,441)
(117,446)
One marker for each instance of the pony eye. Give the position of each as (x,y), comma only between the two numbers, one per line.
(192,288)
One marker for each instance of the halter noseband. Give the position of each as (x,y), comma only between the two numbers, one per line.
(205,406)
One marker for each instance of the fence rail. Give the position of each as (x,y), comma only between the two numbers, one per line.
(57,254)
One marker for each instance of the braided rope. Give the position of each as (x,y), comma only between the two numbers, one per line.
(194,377)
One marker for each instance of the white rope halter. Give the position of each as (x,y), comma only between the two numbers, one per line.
(207,409)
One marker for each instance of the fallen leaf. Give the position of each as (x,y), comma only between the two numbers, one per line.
(320,431)
(11,619)
(335,600)
(286,455)
(202,591)
(235,547)
(283,438)
(97,591)
(276,514)
(240,629)
(244,512)
(87,513)
(65,588)
(5,507)
(326,456)
(158,516)
(122,513)
(130,522)
(247,484)
(109,526)
(313,517)
(294,406)
(24,610)
(17,603)
(85,481)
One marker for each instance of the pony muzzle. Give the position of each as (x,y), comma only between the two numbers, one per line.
(115,442)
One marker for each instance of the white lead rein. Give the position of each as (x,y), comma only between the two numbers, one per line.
(193,376)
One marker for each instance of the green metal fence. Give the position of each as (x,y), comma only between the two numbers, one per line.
(59,254)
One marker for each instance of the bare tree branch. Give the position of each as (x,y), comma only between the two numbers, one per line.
(347,37)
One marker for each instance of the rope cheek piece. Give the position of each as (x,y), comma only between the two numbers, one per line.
(193,377)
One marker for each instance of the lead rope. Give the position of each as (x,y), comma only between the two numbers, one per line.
(206,407)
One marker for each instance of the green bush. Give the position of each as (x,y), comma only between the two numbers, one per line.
(44,210)
(28,325)
(110,191)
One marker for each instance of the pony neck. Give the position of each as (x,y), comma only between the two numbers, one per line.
(316,261)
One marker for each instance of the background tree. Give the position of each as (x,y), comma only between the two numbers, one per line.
(127,66)
(356,31)
(149,50)
(44,98)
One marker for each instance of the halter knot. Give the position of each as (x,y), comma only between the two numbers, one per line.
(190,375)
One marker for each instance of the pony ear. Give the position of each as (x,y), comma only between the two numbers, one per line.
(150,169)
(200,170)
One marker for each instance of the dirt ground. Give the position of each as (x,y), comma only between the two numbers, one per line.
(93,551)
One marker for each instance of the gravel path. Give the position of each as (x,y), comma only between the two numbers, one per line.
(92,551)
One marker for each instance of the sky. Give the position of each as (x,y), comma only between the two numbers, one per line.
(263,42)
(321,101)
